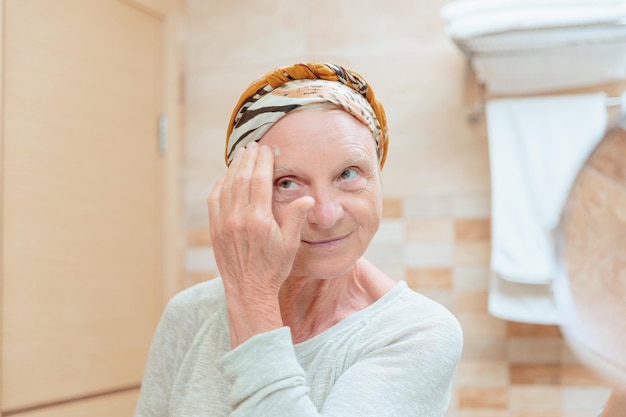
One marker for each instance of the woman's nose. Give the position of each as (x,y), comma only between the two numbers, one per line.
(326,211)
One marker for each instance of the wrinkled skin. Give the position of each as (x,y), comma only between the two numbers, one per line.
(290,222)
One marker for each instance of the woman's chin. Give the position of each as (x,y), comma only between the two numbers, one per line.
(321,270)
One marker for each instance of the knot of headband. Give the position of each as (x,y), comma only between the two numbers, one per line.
(249,121)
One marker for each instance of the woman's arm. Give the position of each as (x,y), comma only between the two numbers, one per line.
(406,374)
(172,339)
(254,254)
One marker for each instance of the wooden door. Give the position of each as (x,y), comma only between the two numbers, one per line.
(82,204)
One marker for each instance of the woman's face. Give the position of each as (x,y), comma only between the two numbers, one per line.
(329,155)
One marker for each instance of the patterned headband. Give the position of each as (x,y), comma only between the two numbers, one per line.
(285,89)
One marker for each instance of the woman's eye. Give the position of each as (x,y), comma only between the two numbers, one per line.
(348,174)
(286,184)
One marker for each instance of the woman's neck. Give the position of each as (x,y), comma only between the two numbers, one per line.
(310,306)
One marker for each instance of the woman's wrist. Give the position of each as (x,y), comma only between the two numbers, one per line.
(252,314)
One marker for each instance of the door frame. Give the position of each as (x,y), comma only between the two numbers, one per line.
(171,13)
(2,5)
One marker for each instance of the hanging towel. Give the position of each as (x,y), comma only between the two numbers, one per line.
(528,303)
(536,148)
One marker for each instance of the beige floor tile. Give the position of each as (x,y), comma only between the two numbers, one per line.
(516,329)
(483,373)
(481,326)
(472,252)
(472,229)
(584,399)
(535,374)
(429,255)
(429,278)
(393,208)
(483,397)
(431,230)
(471,277)
(539,350)
(470,301)
(535,398)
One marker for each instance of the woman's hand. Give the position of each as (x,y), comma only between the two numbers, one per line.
(254,254)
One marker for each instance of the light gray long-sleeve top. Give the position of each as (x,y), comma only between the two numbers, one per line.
(395,358)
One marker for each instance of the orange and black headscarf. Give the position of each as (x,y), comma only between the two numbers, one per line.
(285,89)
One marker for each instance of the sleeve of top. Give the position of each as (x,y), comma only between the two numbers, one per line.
(404,376)
(266,378)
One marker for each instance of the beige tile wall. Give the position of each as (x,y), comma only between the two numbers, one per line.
(436,228)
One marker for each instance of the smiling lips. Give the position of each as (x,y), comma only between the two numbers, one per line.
(326,243)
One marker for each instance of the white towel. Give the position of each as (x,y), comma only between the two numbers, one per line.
(536,46)
(459,8)
(552,69)
(548,38)
(537,146)
(469,18)
(527,303)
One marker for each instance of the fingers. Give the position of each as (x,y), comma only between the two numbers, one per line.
(261,184)
(232,169)
(245,234)
(295,215)
(213,201)
(236,188)
(249,179)
(247,185)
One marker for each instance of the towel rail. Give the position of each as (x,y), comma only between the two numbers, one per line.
(476,109)
(465,44)
(518,42)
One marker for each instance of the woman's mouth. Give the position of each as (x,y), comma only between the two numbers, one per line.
(325,243)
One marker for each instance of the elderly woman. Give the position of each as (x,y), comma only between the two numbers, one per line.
(300,324)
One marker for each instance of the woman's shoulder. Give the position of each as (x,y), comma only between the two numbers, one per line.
(412,306)
(407,313)
(203,292)
(427,308)
(195,304)
(403,310)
